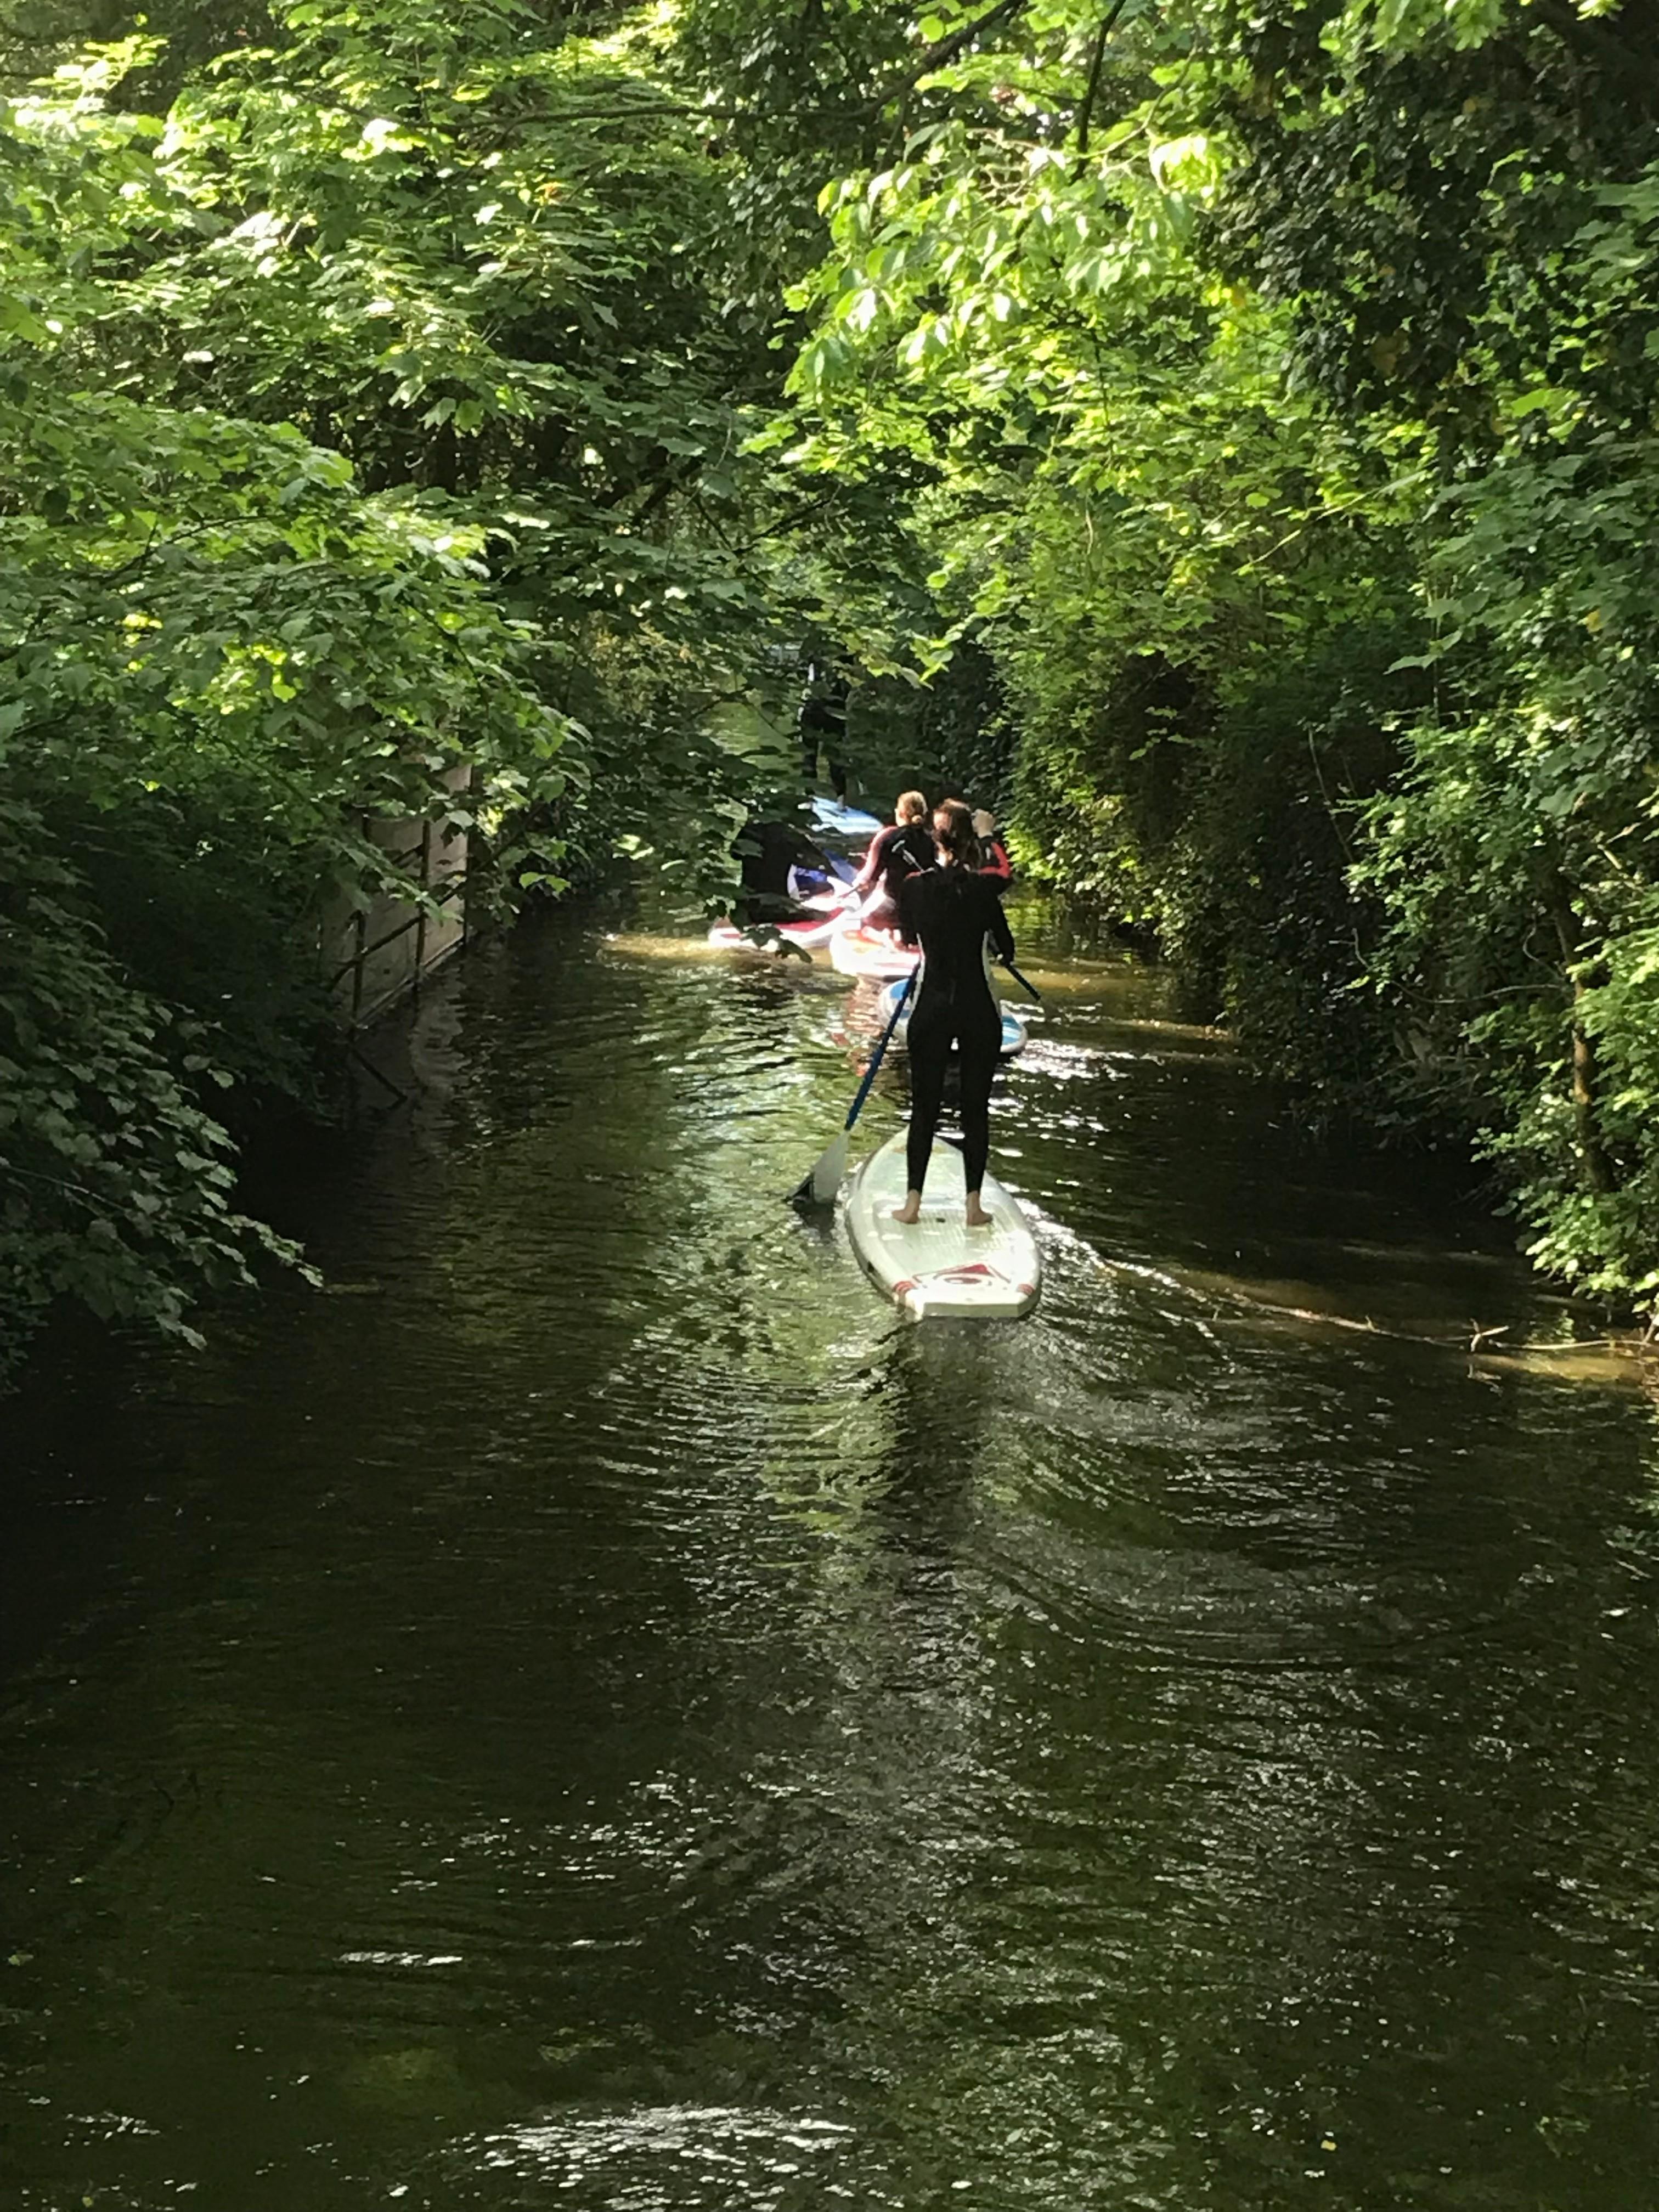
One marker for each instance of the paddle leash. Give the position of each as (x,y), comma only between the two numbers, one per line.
(821,1186)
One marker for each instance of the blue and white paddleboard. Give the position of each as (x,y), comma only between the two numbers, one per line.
(1015,1032)
(938,1266)
(849,821)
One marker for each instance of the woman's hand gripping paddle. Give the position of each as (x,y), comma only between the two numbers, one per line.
(821,1186)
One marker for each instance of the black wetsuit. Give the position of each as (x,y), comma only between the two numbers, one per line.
(823,727)
(899,851)
(948,912)
(996,865)
(766,852)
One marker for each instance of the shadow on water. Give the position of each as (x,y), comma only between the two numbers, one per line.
(592,1705)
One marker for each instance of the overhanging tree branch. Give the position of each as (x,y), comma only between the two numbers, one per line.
(946,50)
(1109,24)
(943,51)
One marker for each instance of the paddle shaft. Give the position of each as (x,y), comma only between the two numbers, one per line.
(820,1186)
(1029,988)
(857,1107)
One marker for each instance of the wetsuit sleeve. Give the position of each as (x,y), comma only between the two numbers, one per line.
(997,923)
(872,860)
(998,868)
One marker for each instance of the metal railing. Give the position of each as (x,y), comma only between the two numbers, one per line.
(391,921)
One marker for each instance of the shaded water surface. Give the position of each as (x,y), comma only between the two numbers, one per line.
(594,1710)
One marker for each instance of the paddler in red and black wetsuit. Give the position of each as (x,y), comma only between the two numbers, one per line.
(898,851)
(993,853)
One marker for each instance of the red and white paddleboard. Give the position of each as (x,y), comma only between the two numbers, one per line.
(726,937)
(940,1266)
(868,952)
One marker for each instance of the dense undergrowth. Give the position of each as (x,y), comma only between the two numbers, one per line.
(1228,433)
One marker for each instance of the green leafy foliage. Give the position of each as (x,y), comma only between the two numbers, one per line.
(371,431)
(117,1186)
(1224,437)
(1271,396)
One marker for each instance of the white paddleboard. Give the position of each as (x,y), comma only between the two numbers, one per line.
(850,820)
(859,952)
(940,1266)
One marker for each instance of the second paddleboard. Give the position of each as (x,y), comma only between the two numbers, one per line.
(1015,1034)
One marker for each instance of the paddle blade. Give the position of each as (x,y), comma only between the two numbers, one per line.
(825,1180)
(821,1186)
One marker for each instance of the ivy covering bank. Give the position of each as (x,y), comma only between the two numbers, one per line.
(1235,423)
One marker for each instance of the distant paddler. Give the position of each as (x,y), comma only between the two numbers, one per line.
(993,853)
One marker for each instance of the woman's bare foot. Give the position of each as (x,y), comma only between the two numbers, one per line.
(910,1211)
(977,1217)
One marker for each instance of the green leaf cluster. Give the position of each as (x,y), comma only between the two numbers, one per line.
(117,1188)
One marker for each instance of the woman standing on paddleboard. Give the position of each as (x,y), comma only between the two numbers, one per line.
(949,911)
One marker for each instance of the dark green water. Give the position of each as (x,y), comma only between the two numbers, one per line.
(595,1711)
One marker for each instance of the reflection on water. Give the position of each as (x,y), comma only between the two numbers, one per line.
(595,1710)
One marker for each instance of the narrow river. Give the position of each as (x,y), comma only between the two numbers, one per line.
(594,1710)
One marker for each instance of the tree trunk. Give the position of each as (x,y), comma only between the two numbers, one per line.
(1598,1168)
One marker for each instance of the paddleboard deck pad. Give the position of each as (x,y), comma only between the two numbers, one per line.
(1015,1033)
(940,1266)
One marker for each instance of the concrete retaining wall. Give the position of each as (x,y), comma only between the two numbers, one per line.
(374,957)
